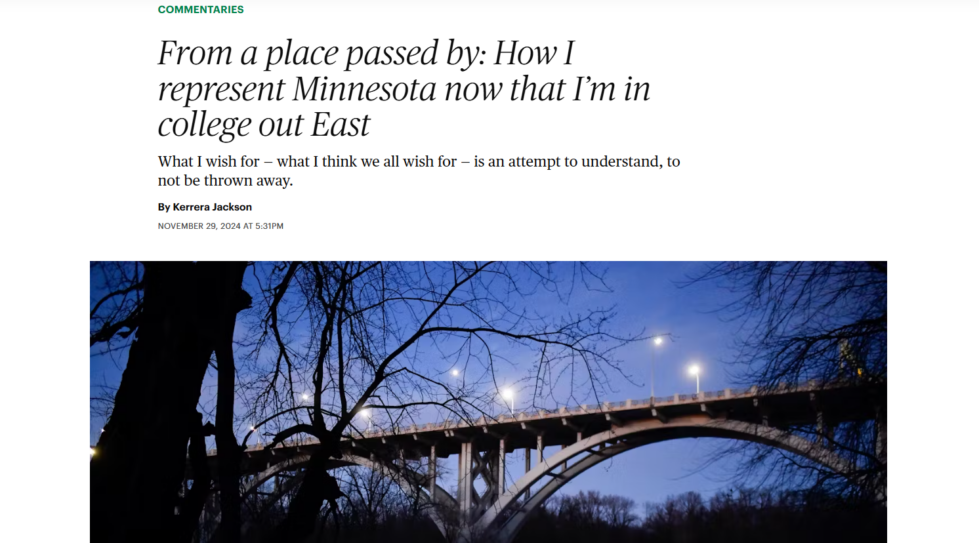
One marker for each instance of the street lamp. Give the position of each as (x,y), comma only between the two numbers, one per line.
(455,372)
(695,371)
(366,413)
(508,395)
(305,396)
(657,341)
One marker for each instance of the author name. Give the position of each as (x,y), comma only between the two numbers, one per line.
(167,208)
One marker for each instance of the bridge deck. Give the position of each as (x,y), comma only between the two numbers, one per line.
(783,407)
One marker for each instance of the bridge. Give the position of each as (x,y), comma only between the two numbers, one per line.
(587,435)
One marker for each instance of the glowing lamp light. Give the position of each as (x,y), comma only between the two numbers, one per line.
(657,340)
(366,414)
(507,394)
(455,373)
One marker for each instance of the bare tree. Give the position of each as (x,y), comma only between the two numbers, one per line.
(352,336)
(806,320)
(824,322)
(618,511)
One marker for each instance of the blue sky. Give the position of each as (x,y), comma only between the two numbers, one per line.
(647,297)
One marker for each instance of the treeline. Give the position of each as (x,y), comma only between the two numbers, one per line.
(742,515)
(377,513)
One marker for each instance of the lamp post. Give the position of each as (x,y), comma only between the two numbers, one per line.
(695,371)
(508,395)
(657,341)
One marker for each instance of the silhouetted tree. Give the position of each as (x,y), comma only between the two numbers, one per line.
(348,336)
(806,320)
(180,314)
(823,322)
(383,336)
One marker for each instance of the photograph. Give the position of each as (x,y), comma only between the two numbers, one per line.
(496,402)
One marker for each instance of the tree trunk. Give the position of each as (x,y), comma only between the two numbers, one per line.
(141,457)
(317,486)
(229,451)
(195,499)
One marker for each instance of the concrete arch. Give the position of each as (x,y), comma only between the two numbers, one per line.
(411,482)
(602,446)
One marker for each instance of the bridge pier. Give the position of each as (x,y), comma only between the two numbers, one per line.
(489,467)
(825,429)
(432,475)
(526,468)
(465,478)
(501,472)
